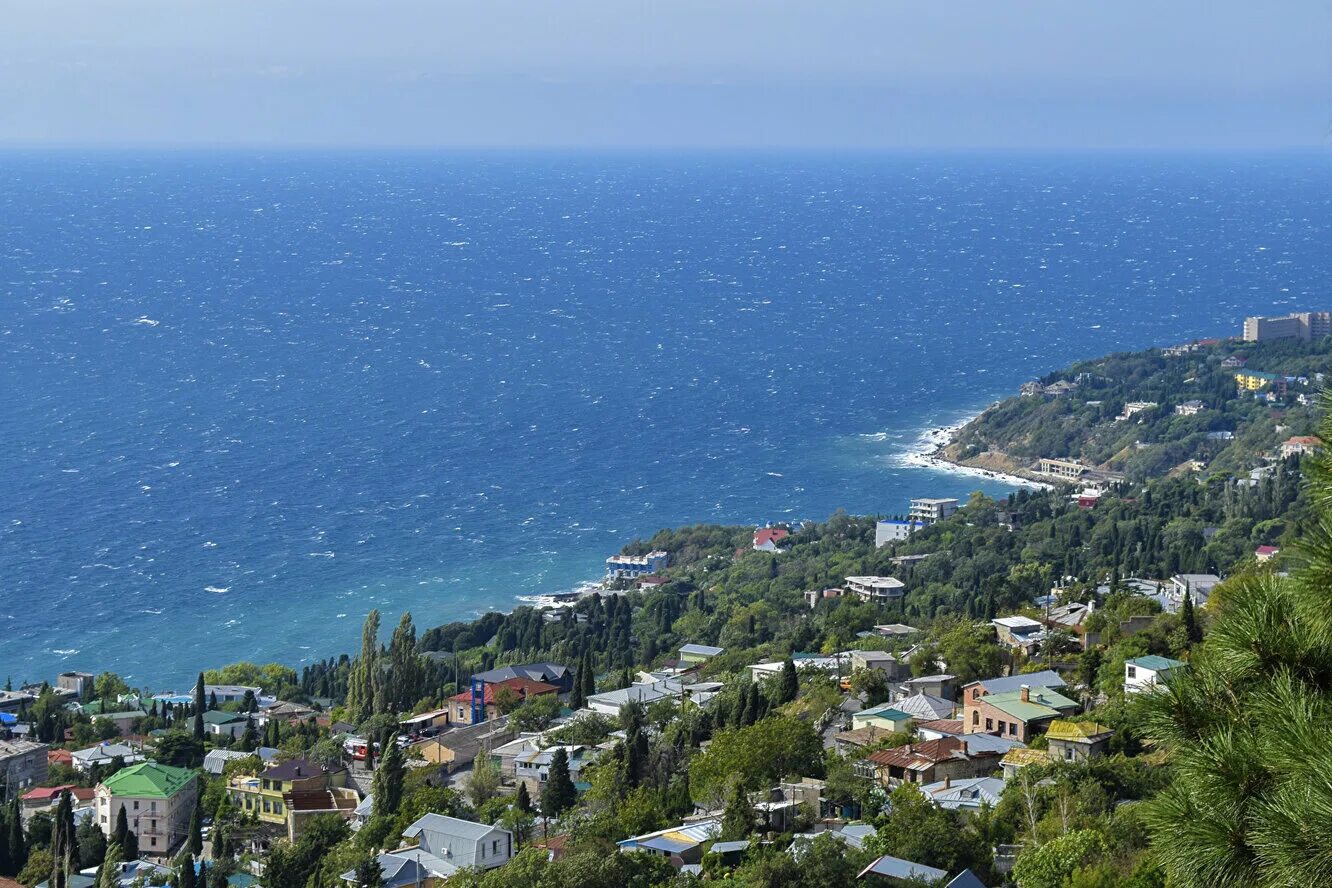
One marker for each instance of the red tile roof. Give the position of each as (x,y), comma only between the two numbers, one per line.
(770,535)
(59,756)
(917,754)
(524,687)
(50,793)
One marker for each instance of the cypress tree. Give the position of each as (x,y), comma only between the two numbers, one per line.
(523,800)
(388,782)
(63,852)
(559,793)
(202,880)
(364,670)
(199,710)
(635,743)
(589,678)
(121,832)
(6,863)
(185,878)
(789,689)
(196,832)
(249,738)
(18,846)
(1190,621)
(576,698)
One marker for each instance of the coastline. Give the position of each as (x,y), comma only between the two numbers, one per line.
(928,453)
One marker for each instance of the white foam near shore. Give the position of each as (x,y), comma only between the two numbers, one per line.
(925,454)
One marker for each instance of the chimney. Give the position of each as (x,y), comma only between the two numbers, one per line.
(948,781)
(908,749)
(1026,694)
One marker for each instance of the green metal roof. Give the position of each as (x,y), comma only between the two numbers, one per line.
(1155,663)
(148,780)
(221,717)
(1042,703)
(885,711)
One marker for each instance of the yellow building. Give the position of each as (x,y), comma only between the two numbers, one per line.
(269,795)
(1255,380)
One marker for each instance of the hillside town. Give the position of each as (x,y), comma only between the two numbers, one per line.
(970,693)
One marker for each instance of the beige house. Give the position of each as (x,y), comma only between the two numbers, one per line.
(158,801)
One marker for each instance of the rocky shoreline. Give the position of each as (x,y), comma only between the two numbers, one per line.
(936,450)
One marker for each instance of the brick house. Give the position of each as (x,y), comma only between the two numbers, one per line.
(1016,715)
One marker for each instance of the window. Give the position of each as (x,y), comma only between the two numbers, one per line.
(975,716)
(1132,671)
(1012,729)
(494,846)
(136,806)
(152,824)
(989,724)
(1002,725)
(154,841)
(1068,753)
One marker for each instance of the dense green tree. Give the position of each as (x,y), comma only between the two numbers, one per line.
(179,749)
(91,843)
(916,829)
(484,781)
(1052,865)
(405,683)
(108,874)
(369,874)
(522,799)
(1249,728)
(760,754)
(559,794)
(738,817)
(292,864)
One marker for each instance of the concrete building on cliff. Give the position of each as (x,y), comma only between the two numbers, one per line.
(1305,325)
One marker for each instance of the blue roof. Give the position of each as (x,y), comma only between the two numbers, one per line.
(896,868)
(1045,679)
(726,847)
(965,879)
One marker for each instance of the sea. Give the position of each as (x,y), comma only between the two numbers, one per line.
(247,397)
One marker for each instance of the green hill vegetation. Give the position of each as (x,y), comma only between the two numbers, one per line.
(1075,413)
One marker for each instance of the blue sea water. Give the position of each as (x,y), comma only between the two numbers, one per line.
(246,398)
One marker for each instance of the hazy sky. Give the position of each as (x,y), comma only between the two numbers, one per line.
(825,73)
